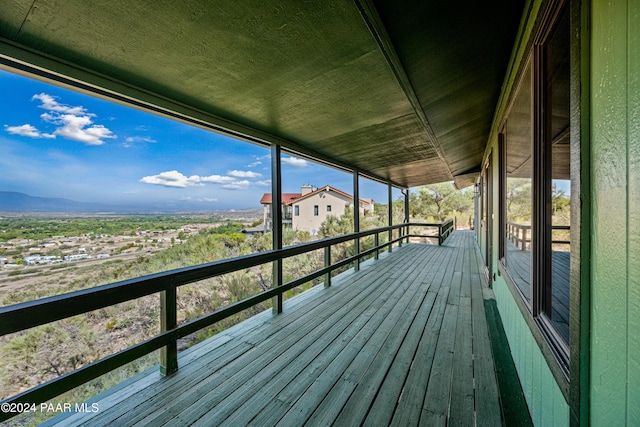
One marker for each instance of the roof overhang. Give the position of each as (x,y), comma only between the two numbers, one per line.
(401,91)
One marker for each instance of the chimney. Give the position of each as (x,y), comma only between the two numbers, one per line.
(306,189)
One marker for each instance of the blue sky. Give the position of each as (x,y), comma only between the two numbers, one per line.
(59,143)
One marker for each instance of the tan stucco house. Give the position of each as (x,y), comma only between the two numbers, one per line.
(307,210)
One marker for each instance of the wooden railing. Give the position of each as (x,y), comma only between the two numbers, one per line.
(30,314)
(520,234)
(443,230)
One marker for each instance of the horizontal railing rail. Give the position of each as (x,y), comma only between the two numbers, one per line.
(30,314)
(520,234)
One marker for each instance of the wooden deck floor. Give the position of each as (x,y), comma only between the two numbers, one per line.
(402,342)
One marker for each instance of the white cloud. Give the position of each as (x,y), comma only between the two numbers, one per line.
(28,130)
(237,185)
(243,174)
(73,123)
(49,103)
(178,180)
(172,179)
(78,128)
(295,162)
(129,141)
(217,179)
(265,183)
(254,164)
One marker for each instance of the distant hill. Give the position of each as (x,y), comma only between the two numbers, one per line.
(11,201)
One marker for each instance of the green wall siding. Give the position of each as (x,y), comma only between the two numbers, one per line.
(615,238)
(544,398)
(633,268)
(633,256)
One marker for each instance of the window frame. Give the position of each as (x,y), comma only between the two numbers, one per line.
(316,210)
(551,342)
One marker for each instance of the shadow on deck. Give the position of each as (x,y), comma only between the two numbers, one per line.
(404,341)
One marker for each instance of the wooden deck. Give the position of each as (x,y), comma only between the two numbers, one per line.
(404,342)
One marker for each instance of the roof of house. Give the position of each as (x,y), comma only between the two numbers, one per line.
(289,198)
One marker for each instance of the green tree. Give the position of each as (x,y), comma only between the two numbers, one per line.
(518,197)
(439,201)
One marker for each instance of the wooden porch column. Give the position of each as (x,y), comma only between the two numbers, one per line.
(356,216)
(276,221)
(390,214)
(406,210)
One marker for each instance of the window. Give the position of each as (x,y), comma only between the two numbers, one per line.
(556,178)
(297,210)
(315,210)
(328,208)
(535,185)
(519,180)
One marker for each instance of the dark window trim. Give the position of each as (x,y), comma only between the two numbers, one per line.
(296,209)
(557,353)
(502,194)
(315,210)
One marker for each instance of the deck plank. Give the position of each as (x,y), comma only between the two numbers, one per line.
(403,341)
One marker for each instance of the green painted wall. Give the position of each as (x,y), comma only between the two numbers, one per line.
(547,405)
(615,237)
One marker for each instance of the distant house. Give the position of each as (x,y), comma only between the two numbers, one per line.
(307,210)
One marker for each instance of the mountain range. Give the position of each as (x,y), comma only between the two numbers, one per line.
(11,201)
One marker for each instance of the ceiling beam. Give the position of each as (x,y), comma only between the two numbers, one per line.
(376,27)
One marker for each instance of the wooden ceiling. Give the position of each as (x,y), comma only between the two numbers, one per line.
(403,91)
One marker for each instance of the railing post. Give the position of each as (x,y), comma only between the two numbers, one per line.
(439,234)
(168,321)
(400,231)
(327,263)
(376,243)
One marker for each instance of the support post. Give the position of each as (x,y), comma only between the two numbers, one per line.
(356,217)
(276,221)
(406,211)
(168,321)
(390,214)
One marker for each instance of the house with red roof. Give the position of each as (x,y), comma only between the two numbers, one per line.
(307,210)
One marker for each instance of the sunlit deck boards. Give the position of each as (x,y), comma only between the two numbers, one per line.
(403,342)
